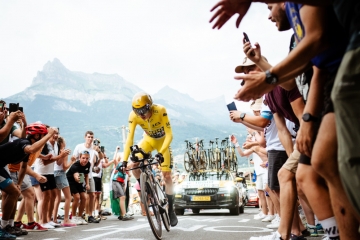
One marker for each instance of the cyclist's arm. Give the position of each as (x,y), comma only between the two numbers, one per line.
(168,132)
(130,137)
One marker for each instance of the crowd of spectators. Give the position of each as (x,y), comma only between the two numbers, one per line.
(307,130)
(37,165)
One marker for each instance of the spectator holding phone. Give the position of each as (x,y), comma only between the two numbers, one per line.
(77,176)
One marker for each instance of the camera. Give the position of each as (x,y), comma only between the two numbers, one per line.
(102,149)
(13,107)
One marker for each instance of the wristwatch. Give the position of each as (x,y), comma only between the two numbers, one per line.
(307,117)
(270,78)
(242,115)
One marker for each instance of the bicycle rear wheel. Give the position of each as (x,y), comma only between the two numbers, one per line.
(150,200)
(187,162)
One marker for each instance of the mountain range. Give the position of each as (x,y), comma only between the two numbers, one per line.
(76,102)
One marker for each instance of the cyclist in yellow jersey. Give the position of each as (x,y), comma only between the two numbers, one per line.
(153,119)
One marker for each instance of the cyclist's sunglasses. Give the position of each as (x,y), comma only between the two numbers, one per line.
(142,111)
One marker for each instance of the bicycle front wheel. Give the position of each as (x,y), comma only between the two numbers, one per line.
(150,201)
(187,162)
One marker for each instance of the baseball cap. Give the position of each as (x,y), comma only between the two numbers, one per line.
(256,104)
(246,62)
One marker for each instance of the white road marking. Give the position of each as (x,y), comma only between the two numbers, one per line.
(128,229)
(188,229)
(101,228)
(256,229)
(204,219)
(244,220)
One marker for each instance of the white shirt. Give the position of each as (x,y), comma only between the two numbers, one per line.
(257,161)
(271,132)
(48,169)
(79,149)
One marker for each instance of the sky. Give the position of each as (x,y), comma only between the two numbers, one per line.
(149,43)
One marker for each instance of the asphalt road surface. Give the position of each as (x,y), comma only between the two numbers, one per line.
(209,224)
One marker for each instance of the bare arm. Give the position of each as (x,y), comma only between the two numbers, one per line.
(107,164)
(67,164)
(39,144)
(283,133)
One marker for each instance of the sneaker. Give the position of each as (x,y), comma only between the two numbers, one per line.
(173,218)
(294,237)
(259,216)
(13,231)
(130,213)
(47,225)
(54,224)
(21,227)
(6,236)
(76,221)
(319,228)
(35,227)
(274,236)
(91,219)
(102,217)
(268,218)
(313,230)
(70,224)
(275,225)
(83,222)
(120,217)
(127,217)
(276,219)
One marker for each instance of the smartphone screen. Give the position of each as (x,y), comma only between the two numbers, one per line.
(231,107)
(82,177)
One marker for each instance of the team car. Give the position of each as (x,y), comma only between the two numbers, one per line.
(209,190)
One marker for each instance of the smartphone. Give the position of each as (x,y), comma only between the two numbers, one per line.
(246,38)
(231,107)
(21,109)
(13,107)
(82,177)
(102,149)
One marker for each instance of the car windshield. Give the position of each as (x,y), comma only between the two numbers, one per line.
(210,176)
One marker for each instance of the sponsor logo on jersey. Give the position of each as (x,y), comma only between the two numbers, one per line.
(156,124)
(155,111)
(158,133)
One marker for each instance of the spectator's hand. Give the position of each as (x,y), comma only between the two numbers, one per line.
(247,145)
(305,138)
(18,186)
(51,131)
(226,9)
(47,157)
(263,164)
(65,152)
(41,179)
(87,187)
(248,50)
(235,115)
(23,119)
(254,86)
(73,159)
(14,116)
(233,139)
(77,178)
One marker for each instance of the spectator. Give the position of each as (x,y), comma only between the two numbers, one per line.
(118,186)
(94,152)
(62,183)
(45,167)
(77,175)
(97,175)
(16,152)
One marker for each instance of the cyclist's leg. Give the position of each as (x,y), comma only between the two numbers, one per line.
(166,170)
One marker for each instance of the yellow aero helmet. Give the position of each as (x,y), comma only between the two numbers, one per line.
(141,103)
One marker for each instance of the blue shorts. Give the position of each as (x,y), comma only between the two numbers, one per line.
(33,180)
(60,179)
(5,179)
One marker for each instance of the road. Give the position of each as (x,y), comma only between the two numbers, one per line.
(209,224)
